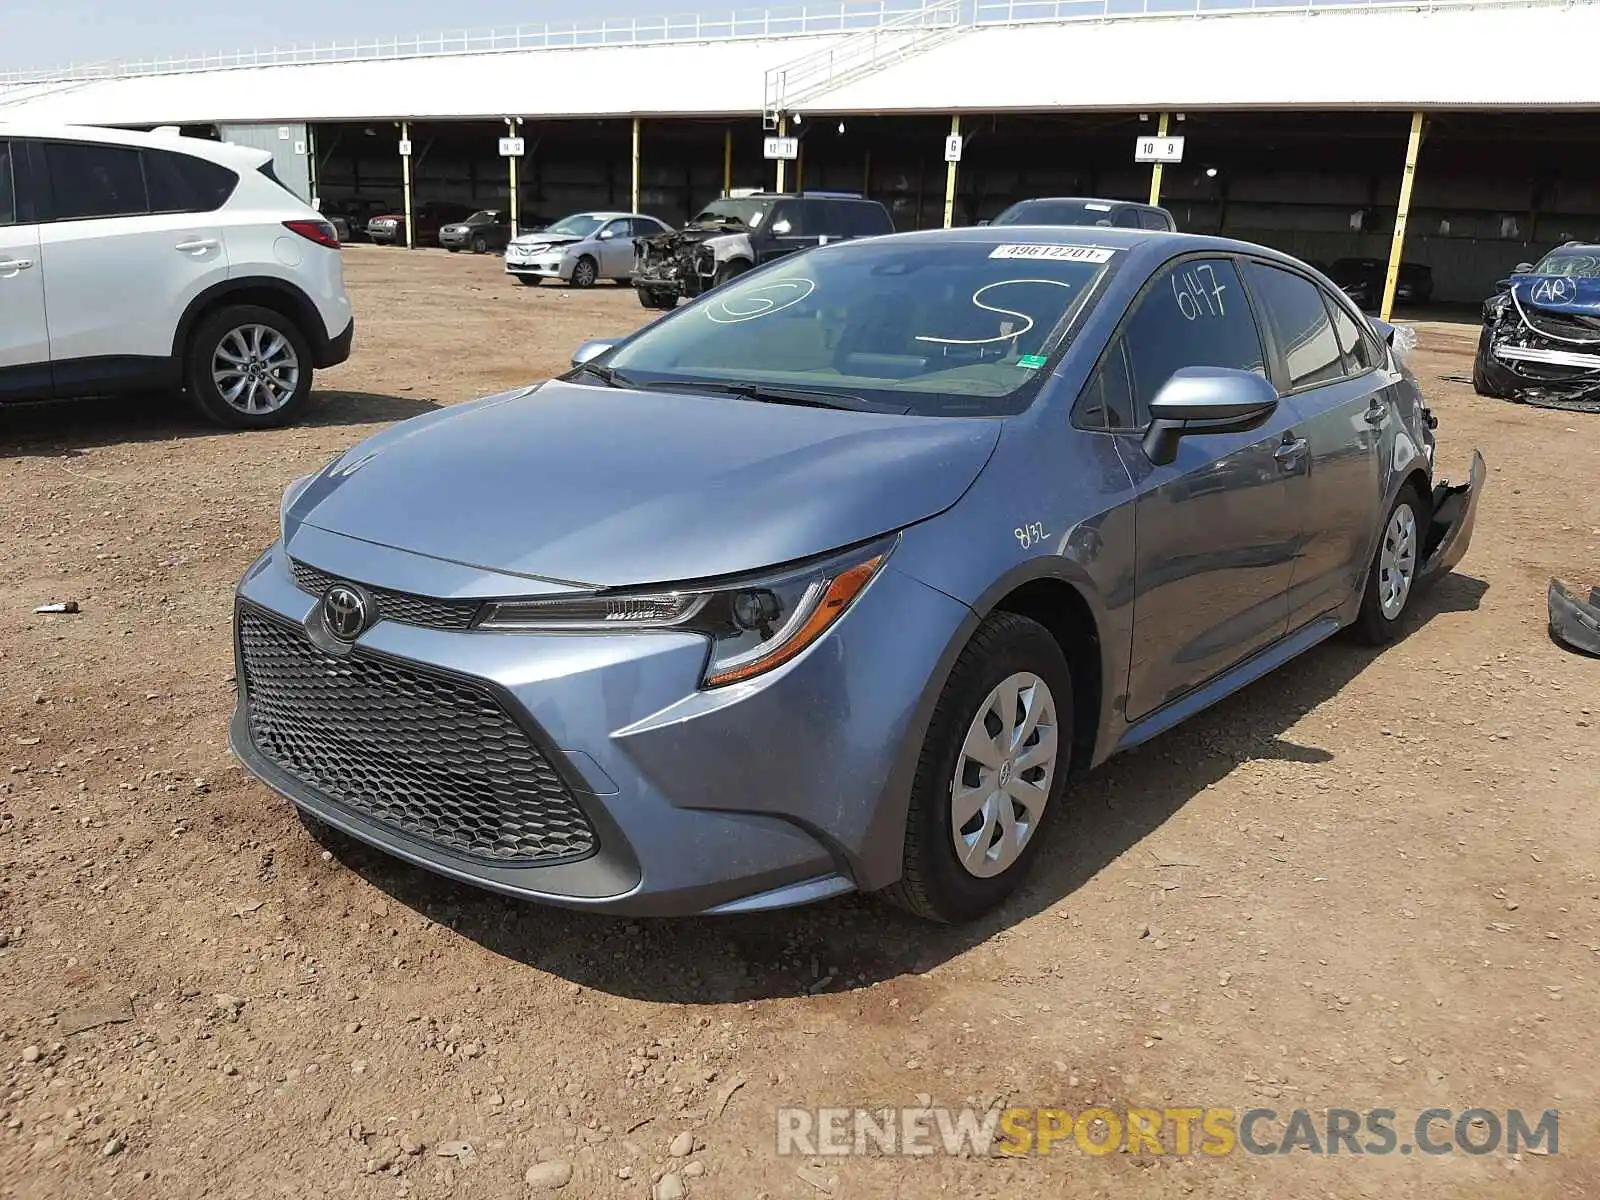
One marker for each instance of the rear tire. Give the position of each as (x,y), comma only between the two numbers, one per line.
(248,367)
(1392,576)
(953,874)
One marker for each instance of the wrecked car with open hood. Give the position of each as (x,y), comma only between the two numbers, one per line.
(737,232)
(1540,342)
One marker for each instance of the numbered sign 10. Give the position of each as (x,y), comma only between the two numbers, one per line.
(1158,150)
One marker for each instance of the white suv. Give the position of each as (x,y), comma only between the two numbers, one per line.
(132,261)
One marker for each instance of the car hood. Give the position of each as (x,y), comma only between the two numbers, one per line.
(611,487)
(545,239)
(1559,293)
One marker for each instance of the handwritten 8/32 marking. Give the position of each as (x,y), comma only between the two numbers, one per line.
(1029,535)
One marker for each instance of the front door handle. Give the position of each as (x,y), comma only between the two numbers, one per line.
(16,264)
(1377,412)
(1291,452)
(197,244)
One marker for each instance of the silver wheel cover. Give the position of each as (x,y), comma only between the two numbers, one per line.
(1004,775)
(1397,561)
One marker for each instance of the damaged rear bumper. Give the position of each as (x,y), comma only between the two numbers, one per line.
(1455,514)
(1575,622)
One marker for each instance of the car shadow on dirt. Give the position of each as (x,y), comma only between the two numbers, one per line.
(65,428)
(857,941)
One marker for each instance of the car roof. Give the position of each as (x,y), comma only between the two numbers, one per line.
(226,153)
(1087,200)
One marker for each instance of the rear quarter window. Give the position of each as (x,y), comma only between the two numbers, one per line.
(183,183)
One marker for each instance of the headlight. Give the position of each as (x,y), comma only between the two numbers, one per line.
(753,625)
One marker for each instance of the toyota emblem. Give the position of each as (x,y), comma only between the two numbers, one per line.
(344,612)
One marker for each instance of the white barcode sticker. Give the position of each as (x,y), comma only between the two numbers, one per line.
(1050,252)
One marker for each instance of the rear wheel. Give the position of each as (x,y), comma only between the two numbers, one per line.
(248,367)
(1393,575)
(992,771)
(584,273)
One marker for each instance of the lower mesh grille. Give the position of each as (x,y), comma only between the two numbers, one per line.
(435,757)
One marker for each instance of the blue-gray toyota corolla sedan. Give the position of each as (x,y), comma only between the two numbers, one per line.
(835,578)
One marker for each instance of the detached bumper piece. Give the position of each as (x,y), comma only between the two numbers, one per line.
(1455,514)
(1574,622)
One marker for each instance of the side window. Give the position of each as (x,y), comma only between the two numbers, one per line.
(1150,219)
(8,187)
(614,229)
(795,215)
(1126,218)
(182,183)
(1107,399)
(1293,308)
(1360,355)
(1193,314)
(87,180)
(860,218)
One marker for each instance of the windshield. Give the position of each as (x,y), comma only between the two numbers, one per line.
(484,216)
(1056,212)
(948,329)
(1572,264)
(578,225)
(742,212)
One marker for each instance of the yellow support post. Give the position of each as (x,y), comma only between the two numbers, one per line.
(866,174)
(511,208)
(405,179)
(800,167)
(635,207)
(950,176)
(727,161)
(1398,245)
(1155,169)
(783,131)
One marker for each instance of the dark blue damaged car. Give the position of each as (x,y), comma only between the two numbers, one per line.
(1540,341)
(835,579)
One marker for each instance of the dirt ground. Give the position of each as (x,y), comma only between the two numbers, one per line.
(1369,880)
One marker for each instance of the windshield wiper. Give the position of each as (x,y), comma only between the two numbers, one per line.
(776,394)
(609,376)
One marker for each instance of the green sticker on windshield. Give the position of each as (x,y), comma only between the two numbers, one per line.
(1032,361)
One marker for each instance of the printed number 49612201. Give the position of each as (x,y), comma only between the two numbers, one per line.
(1030,535)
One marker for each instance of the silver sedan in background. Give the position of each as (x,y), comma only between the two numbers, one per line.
(581,249)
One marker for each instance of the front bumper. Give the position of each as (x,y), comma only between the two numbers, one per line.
(783,790)
(544,265)
(385,234)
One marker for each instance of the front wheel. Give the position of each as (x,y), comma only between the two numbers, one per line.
(1482,380)
(584,273)
(730,270)
(527,280)
(992,771)
(248,367)
(1393,574)
(480,245)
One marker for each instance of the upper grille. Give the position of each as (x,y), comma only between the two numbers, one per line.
(396,606)
(435,757)
(1579,326)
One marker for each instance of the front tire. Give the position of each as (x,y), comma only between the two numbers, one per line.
(1392,577)
(248,367)
(1483,381)
(584,272)
(730,270)
(527,280)
(480,245)
(991,774)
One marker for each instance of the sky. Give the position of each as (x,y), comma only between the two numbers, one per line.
(46,34)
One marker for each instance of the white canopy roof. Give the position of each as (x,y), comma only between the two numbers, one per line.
(1335,58)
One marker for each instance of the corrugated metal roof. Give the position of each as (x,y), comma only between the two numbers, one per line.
(1453,57)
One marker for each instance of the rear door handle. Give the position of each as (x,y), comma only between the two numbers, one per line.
(15,264)
(1290,452)
(195,244)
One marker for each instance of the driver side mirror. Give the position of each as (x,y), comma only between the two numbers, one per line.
(781,228)
(591,349)
(606,235)
(1522,268)
(1202,400)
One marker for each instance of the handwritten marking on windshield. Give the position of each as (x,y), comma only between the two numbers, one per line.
(1198,293)
(1008,331)
(762,301)
(1053,252)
